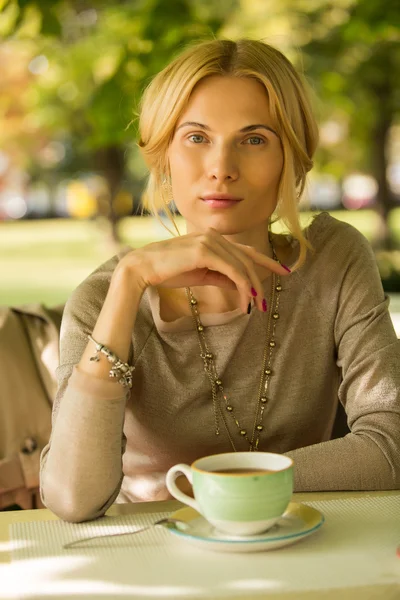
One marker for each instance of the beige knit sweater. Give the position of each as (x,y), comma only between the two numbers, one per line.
(335,343)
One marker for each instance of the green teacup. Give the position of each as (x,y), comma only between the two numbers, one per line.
(241,493)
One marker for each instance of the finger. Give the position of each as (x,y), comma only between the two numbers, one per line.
(263,260)
(249,265)
(214,256)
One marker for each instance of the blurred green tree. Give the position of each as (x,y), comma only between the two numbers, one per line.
(101,55)
(91,61)
(356,65)
(350,52)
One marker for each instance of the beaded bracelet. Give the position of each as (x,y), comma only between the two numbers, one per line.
(122,371)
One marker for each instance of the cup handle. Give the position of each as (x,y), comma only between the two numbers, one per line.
(174,490)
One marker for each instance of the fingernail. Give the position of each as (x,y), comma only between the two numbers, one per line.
(253,291)
(264,305)
(286,268)
(249,308)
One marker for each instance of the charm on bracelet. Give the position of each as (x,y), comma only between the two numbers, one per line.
(119,370)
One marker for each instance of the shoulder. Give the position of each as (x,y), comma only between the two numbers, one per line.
(336,240)
(341,255)
(342,264)
(325,227)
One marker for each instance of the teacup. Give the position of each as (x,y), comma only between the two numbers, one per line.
(240,493)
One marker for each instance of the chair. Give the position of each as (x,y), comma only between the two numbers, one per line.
(29,356)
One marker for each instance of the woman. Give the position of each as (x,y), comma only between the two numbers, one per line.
(220,346)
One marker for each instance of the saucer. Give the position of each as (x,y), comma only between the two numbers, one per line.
(298,522)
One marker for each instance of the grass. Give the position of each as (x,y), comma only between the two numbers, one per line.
(43,261)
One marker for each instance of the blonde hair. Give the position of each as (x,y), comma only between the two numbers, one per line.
(167,95)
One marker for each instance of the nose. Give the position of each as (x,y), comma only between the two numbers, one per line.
(222,165)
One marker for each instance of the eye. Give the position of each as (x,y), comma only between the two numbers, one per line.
(255,140)
(196,138)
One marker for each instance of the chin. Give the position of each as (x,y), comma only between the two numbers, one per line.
(225,224)
(224,227)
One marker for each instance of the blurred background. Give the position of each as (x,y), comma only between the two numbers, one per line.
(71,76)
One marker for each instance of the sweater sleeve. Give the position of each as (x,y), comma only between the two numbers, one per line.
(81,466)
(368,354)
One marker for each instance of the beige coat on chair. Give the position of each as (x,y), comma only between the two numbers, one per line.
(29,356)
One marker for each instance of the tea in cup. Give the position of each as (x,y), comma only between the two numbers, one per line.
(240,493)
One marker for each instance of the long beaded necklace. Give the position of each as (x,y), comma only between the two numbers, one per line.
(227,410)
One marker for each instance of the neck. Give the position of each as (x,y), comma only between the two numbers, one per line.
(257,238)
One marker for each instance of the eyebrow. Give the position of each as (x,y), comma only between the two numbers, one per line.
(246,129)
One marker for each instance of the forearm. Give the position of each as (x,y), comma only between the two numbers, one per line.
(81,467)
(355,462)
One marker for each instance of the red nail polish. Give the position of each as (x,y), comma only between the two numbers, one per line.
(253,291)
(286,268)
(264,305)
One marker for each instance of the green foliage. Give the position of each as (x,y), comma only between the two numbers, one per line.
(26,10)
(355,66)
(101,55)
(350,53)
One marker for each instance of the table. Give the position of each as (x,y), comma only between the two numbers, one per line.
(383,592)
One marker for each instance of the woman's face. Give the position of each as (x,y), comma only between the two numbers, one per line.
(225,143)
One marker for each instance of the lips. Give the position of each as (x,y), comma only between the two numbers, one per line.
(212,203)
(220,196)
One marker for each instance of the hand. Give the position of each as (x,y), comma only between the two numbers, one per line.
(201,258)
